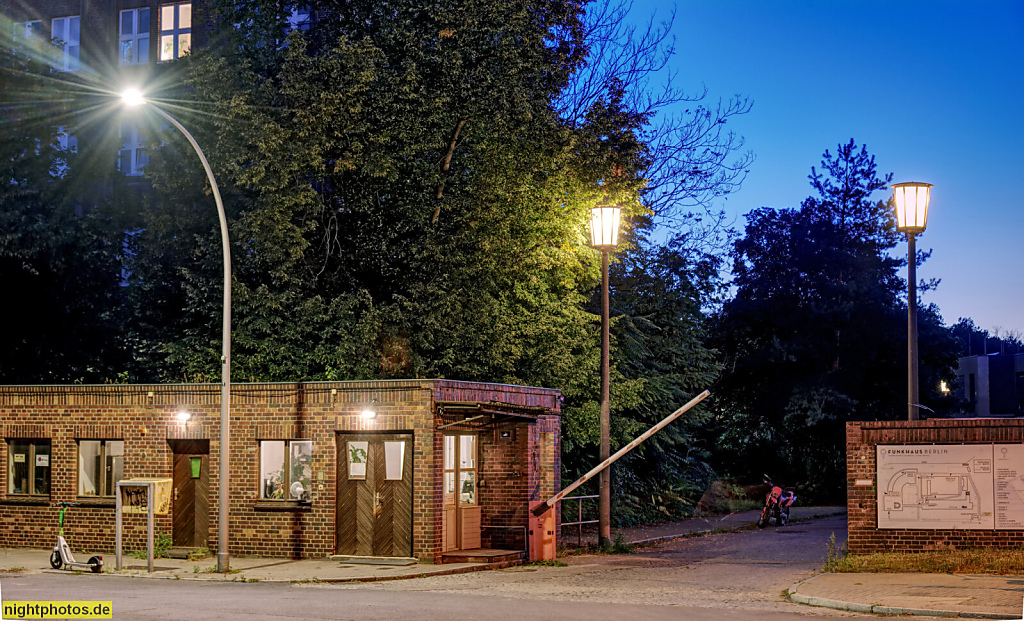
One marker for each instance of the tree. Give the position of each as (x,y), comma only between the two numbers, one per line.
(815,334)
(59,263)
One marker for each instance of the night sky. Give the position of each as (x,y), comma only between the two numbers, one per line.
(935,90)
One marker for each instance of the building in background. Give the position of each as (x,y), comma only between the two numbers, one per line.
(991,386)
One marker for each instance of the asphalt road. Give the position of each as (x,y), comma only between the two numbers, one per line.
(728,576)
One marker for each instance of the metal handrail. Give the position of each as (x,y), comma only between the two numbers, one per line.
(578,524)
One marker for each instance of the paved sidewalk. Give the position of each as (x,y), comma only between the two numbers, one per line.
(934,595)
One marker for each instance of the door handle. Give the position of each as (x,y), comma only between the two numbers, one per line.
(376,503)
(175,493)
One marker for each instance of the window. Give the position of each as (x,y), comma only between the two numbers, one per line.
(65,34)
(300,19)
(286,469)
(67,145)
(100,466)
(134,31)
(175,30)
(29,467)
(460,451)
(132,156)
(27,31)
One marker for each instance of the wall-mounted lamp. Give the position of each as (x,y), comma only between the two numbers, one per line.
(368,413)
(183,417)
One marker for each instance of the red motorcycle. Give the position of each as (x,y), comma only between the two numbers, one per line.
(776,505)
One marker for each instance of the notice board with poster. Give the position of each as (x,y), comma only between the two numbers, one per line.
(950,486)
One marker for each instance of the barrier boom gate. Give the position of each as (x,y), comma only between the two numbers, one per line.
(541,508)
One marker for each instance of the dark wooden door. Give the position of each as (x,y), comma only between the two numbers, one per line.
(191,517)
(375,495)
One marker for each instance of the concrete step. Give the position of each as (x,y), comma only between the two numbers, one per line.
(483,555)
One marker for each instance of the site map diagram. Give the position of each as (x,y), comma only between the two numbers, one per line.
(931,486)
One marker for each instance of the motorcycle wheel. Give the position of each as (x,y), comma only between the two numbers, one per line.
(55,560)
(783,517)
(766,515)
(97,564)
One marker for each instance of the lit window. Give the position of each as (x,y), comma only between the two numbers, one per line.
(175,30)
(134,31)
(460,466)
(65,34)
(132,157)
(300,19)
(286,468)
(943,387)
(29,467)
(100,466)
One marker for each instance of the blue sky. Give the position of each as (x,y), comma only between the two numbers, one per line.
(935,89)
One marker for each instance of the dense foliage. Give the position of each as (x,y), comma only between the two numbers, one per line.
(408,190)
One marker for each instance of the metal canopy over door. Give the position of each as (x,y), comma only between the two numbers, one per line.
(375,494)
(191,492)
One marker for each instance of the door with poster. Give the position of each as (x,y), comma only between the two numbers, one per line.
(374,509)
(461,522)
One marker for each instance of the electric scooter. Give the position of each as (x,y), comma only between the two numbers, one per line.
(62,556)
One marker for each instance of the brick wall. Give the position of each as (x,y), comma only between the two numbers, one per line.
(862,510)
(145,417)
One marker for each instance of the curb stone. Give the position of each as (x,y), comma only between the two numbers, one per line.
(881,610)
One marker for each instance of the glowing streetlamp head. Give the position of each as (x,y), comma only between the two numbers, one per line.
(604,227)
(912,206)
(132,97)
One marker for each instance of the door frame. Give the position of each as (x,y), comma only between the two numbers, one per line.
(201,506)
(458,509)
(341,437)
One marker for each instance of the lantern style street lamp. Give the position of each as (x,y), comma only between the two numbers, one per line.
(911,218)
(604,236)
(134,98)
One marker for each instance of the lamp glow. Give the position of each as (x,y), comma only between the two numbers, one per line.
(604,227)
(912,200)
(368,413)
(132,97)
(184,416)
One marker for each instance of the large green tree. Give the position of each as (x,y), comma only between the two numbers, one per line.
(815,334)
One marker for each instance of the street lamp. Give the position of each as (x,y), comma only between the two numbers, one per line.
(911,218)
(131,98)
(604,236)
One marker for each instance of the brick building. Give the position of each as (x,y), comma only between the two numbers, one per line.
(935,484)
(441,466)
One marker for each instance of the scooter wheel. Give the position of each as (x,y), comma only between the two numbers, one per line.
(55,560)
(96,564)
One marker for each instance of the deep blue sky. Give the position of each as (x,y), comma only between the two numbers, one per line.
(935,89)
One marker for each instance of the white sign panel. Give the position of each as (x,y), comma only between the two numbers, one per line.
(929,486)
(1008,462)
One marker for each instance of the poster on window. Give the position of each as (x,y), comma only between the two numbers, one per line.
(357,457)
(43,461)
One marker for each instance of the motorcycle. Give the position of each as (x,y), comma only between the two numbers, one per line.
(776,505)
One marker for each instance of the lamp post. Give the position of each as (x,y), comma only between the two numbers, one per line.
(604,236)
(911,218)
(133,98)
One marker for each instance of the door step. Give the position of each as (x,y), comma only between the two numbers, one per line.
(194,554)
(483,555)
(400,561)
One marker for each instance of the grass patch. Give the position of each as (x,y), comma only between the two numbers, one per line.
(545,564)
(12,570)
(990,561)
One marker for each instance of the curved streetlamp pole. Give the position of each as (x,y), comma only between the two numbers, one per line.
(912,200)
(134,98)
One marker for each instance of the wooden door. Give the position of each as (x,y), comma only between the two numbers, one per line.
(374,510)
(461,518)
(191,518)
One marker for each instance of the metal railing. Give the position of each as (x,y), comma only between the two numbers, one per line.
(579,512)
